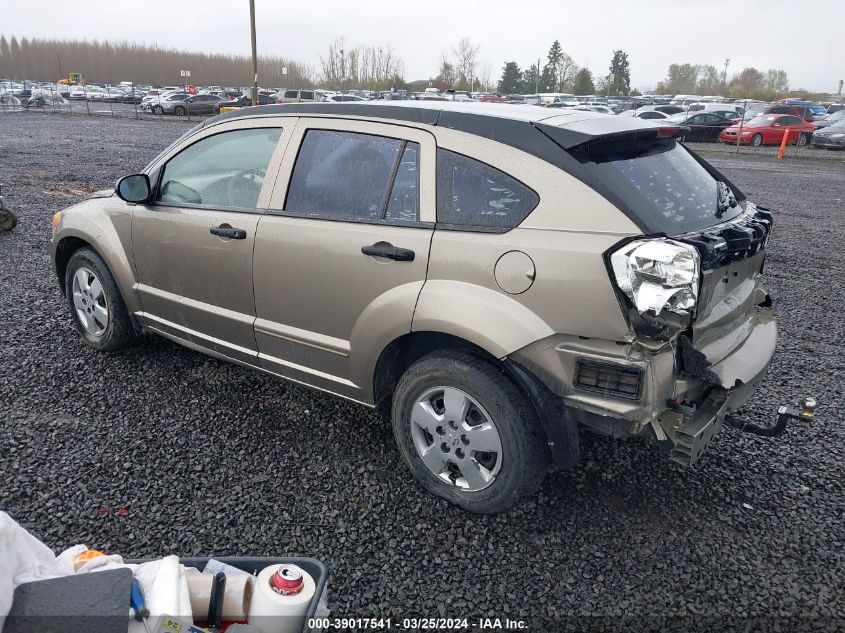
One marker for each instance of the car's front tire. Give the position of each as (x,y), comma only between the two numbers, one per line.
(179,111)
(467,433)
(757,140)
(803,138)
(95,303)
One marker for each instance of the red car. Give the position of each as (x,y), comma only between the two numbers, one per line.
(768,129)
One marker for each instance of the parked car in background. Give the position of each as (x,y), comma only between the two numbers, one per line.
(491,295)
(802,112)
(197,104)
(768,129)
(829,119)
(343,98)
(593,108)
(77,93)
(166,103)
(704,126)
(297,96)
(835,107)
(735,108)
(831,137)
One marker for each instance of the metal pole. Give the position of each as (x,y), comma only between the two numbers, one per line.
(85,92)
(254,53)
(741,122)
(537,83)
(134,101)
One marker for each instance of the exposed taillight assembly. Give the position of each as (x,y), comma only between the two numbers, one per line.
(624,381)
(658,275)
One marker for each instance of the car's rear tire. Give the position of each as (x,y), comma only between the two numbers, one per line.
(803,138)
(467,433)
(95,303)
(179,111)
(757,140)
(157,109)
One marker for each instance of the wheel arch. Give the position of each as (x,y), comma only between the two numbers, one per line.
(110,248)
(560,430)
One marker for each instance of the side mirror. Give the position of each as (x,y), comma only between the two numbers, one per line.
(134,188)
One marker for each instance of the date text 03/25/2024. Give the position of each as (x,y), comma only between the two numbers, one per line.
(417,624)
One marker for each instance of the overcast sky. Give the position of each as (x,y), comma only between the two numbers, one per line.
(805,40)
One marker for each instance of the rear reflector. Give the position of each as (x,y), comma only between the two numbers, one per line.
(624,381)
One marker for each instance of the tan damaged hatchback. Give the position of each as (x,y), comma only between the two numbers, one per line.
(492,278)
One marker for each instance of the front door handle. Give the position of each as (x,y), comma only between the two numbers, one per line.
(224,230)
(388,251)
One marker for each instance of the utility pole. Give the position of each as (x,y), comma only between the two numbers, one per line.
(254,53)
(537,84)
(725,74)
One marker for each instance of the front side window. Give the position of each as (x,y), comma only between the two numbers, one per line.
(291,94)
(472,194)
(224,170)
(343,175)
(307,95)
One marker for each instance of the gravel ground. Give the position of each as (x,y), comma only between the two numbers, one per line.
(162,450)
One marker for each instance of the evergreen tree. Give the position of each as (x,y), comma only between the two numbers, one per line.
(511,80)
(620,70)
(584,83)
(530,80)
(551,71)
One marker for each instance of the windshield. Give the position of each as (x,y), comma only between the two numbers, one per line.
(838,125)
(678,118)
(836,116)
(661,182)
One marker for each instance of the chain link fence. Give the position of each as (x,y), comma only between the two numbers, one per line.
(742,126)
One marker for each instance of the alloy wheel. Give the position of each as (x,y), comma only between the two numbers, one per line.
(456,438)
(89,301)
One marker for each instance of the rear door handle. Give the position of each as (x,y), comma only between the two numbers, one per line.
(389,251)
(225,230)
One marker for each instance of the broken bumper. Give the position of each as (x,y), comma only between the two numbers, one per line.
(687,410)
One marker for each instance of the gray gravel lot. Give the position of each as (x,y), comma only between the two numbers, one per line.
(207,457)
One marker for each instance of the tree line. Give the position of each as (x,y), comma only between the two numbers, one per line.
(112,62)
(705,79)
(560,73)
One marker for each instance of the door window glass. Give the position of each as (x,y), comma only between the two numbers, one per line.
(291,94)
(224,170)
(404,204)
(342,175)
(472,194)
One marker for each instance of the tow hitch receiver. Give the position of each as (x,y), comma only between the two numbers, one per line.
(804,411)
(691,429)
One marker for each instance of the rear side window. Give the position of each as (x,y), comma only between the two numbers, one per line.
(472,195)
(404,204)
(660,181)
(343,175)
(224,170)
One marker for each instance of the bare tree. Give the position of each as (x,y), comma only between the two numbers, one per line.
(466,59)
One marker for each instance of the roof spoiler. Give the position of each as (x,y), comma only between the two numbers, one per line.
(582,132)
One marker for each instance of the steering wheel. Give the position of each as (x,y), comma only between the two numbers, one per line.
(242,185)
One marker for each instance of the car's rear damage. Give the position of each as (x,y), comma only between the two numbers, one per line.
(679,375)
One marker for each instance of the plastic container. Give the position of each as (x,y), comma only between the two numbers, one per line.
(254,564)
